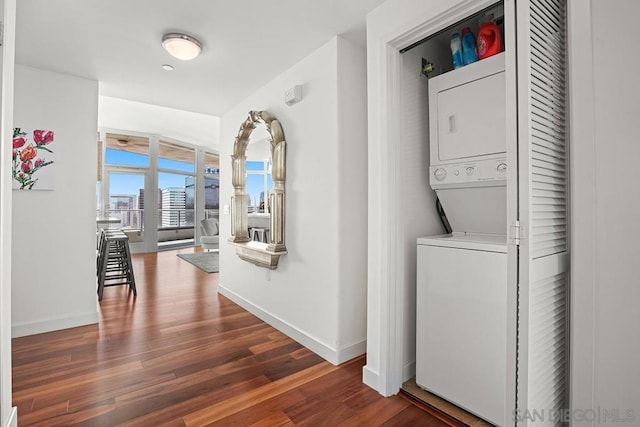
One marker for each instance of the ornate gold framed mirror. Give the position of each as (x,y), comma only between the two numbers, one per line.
(266,251)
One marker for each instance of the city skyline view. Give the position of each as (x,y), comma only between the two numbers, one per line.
(131,183)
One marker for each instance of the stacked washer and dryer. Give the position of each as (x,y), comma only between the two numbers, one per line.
(462,277)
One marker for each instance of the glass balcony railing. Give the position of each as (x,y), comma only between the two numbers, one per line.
(133,219)
(175,218)
(174,225)
(130,219)
(211,213)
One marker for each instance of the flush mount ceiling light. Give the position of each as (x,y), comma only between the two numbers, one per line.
(181,46)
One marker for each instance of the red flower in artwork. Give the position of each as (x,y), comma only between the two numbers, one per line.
(30,156)
(18,141)
(28,153)
(42,137)
(26,166)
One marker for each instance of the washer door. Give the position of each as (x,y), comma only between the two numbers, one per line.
(461,329)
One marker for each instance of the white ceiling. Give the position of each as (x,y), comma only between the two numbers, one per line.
(117,42)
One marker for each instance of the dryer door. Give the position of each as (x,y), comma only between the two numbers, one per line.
(471,119)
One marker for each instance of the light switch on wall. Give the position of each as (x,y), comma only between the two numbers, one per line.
(226,209)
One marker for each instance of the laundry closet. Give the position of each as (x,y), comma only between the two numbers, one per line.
(491,252)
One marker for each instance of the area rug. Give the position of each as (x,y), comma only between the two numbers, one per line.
(205,261)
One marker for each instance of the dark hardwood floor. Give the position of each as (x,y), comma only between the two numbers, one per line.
(180,354)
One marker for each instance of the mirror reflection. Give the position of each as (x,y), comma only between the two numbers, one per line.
(259,184)
(258,201)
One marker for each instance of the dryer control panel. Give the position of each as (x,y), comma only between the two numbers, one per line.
(481,173)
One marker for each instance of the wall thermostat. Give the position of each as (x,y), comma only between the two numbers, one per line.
(293,95)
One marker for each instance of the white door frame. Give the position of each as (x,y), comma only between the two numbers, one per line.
(582,200)
(386,279)
(8,413)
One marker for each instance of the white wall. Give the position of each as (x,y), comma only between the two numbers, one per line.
(351,192)
(605,210)
(53,262)
(418,216)
(317,294)
(8,415)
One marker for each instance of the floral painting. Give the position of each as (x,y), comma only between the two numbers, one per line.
(32,159)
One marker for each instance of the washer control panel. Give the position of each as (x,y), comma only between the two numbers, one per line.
(469,174)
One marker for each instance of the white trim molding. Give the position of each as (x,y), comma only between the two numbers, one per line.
(7,77)
(12,421)
(582,146)
(332,355)
(54,324)
(370,378)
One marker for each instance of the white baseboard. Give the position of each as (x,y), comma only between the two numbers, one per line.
(371,378)
(48,325)
(12,421)
(349,352)
(321,349)
(408,371)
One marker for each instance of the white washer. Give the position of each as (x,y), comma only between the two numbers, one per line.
(461,313)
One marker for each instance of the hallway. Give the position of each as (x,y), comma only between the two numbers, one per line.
(180,354)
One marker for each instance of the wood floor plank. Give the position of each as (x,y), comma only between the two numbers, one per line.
(238,403)
(71,418)
(257,412)
(180,354)
(49,412)
(91,378)
(412,416)
(186,406)
(376,411)
(327,394)
(276,419)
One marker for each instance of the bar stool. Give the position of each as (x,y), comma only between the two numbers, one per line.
(114,262)
(259,234)
(101,246)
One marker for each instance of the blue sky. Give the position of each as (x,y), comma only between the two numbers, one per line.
(132,183)
(255,183)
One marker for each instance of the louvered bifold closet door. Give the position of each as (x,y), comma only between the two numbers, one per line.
(542,189)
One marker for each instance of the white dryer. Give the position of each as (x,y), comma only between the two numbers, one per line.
(467,134)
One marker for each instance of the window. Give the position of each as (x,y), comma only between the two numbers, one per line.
(126,199)
(132,163)
(211,185)
(176,193)
(259,183)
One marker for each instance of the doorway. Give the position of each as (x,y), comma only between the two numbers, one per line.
(157,188)
(390,281)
